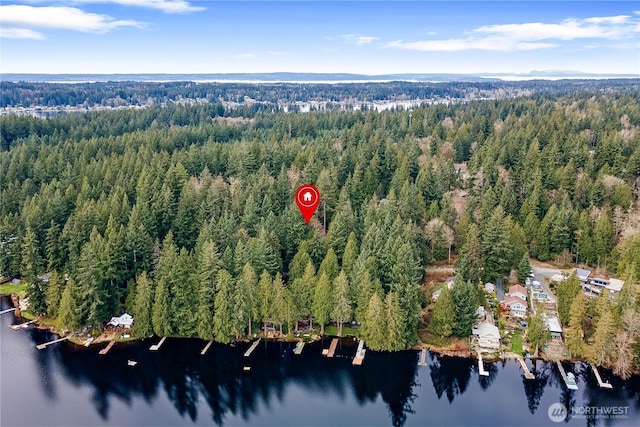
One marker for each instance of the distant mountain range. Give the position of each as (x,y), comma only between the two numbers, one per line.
(311,77)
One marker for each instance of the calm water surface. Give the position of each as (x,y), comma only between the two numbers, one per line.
(67,385)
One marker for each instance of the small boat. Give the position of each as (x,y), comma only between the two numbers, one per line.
(89,341)
(571,381)
(247,368)
(132,362)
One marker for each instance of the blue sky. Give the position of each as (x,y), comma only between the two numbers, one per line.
(196,36)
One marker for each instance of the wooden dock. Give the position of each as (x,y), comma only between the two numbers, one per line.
(359,358)
(21,326)
(601,383)
(332,348)
(9,310)
(527,373)
(298,348)
(481,366)
(156,347)
(565,378)
(423,357)
(253,347)
(206,348)
(45,345)
(108,347)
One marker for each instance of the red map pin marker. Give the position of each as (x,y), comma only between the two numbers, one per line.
(307,199)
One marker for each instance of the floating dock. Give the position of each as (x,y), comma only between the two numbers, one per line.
(298,348)
(601,383)
(481,366)
(359,354)
(570,386)
(21,326)
(108,347)
(156,347)
(9,310)
(253,347)
(423,357)
(206,348)
(332,348)
(45,345)
(527,373)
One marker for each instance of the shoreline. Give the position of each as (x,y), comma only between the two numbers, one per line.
(440,351)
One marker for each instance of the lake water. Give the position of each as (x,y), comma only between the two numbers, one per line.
(68,385)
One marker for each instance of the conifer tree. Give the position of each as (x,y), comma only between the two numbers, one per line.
(329,265)
(246,299)
(443,318)
(566,292)
(160,310)
(375,324)
(342,308)
(143,326)
(223,318)
(303,290)
(322,301)
(524,267)
(465,307)
(603,345)
(68,314)
(575,332)
(266,298)
(55,287)
(538,333)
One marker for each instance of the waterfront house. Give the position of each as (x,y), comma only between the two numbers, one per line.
(488,336)
(582,274)
(553,324)
(516,306)
(123,321)
(517,291)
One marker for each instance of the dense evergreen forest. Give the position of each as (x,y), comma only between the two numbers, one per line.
(130,93)
(184,215)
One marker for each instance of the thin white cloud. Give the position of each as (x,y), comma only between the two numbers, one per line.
(61,17)
(531,35)
(358,39)
(244,55)
(166,6)
(20,33)
(455,45)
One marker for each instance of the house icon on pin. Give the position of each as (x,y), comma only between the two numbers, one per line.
(307,196)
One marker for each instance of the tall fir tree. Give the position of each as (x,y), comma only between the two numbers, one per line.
(143,326)
(443,318)
(223,318)
(342,308)
(160,310)
(465,307)
(322,301)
